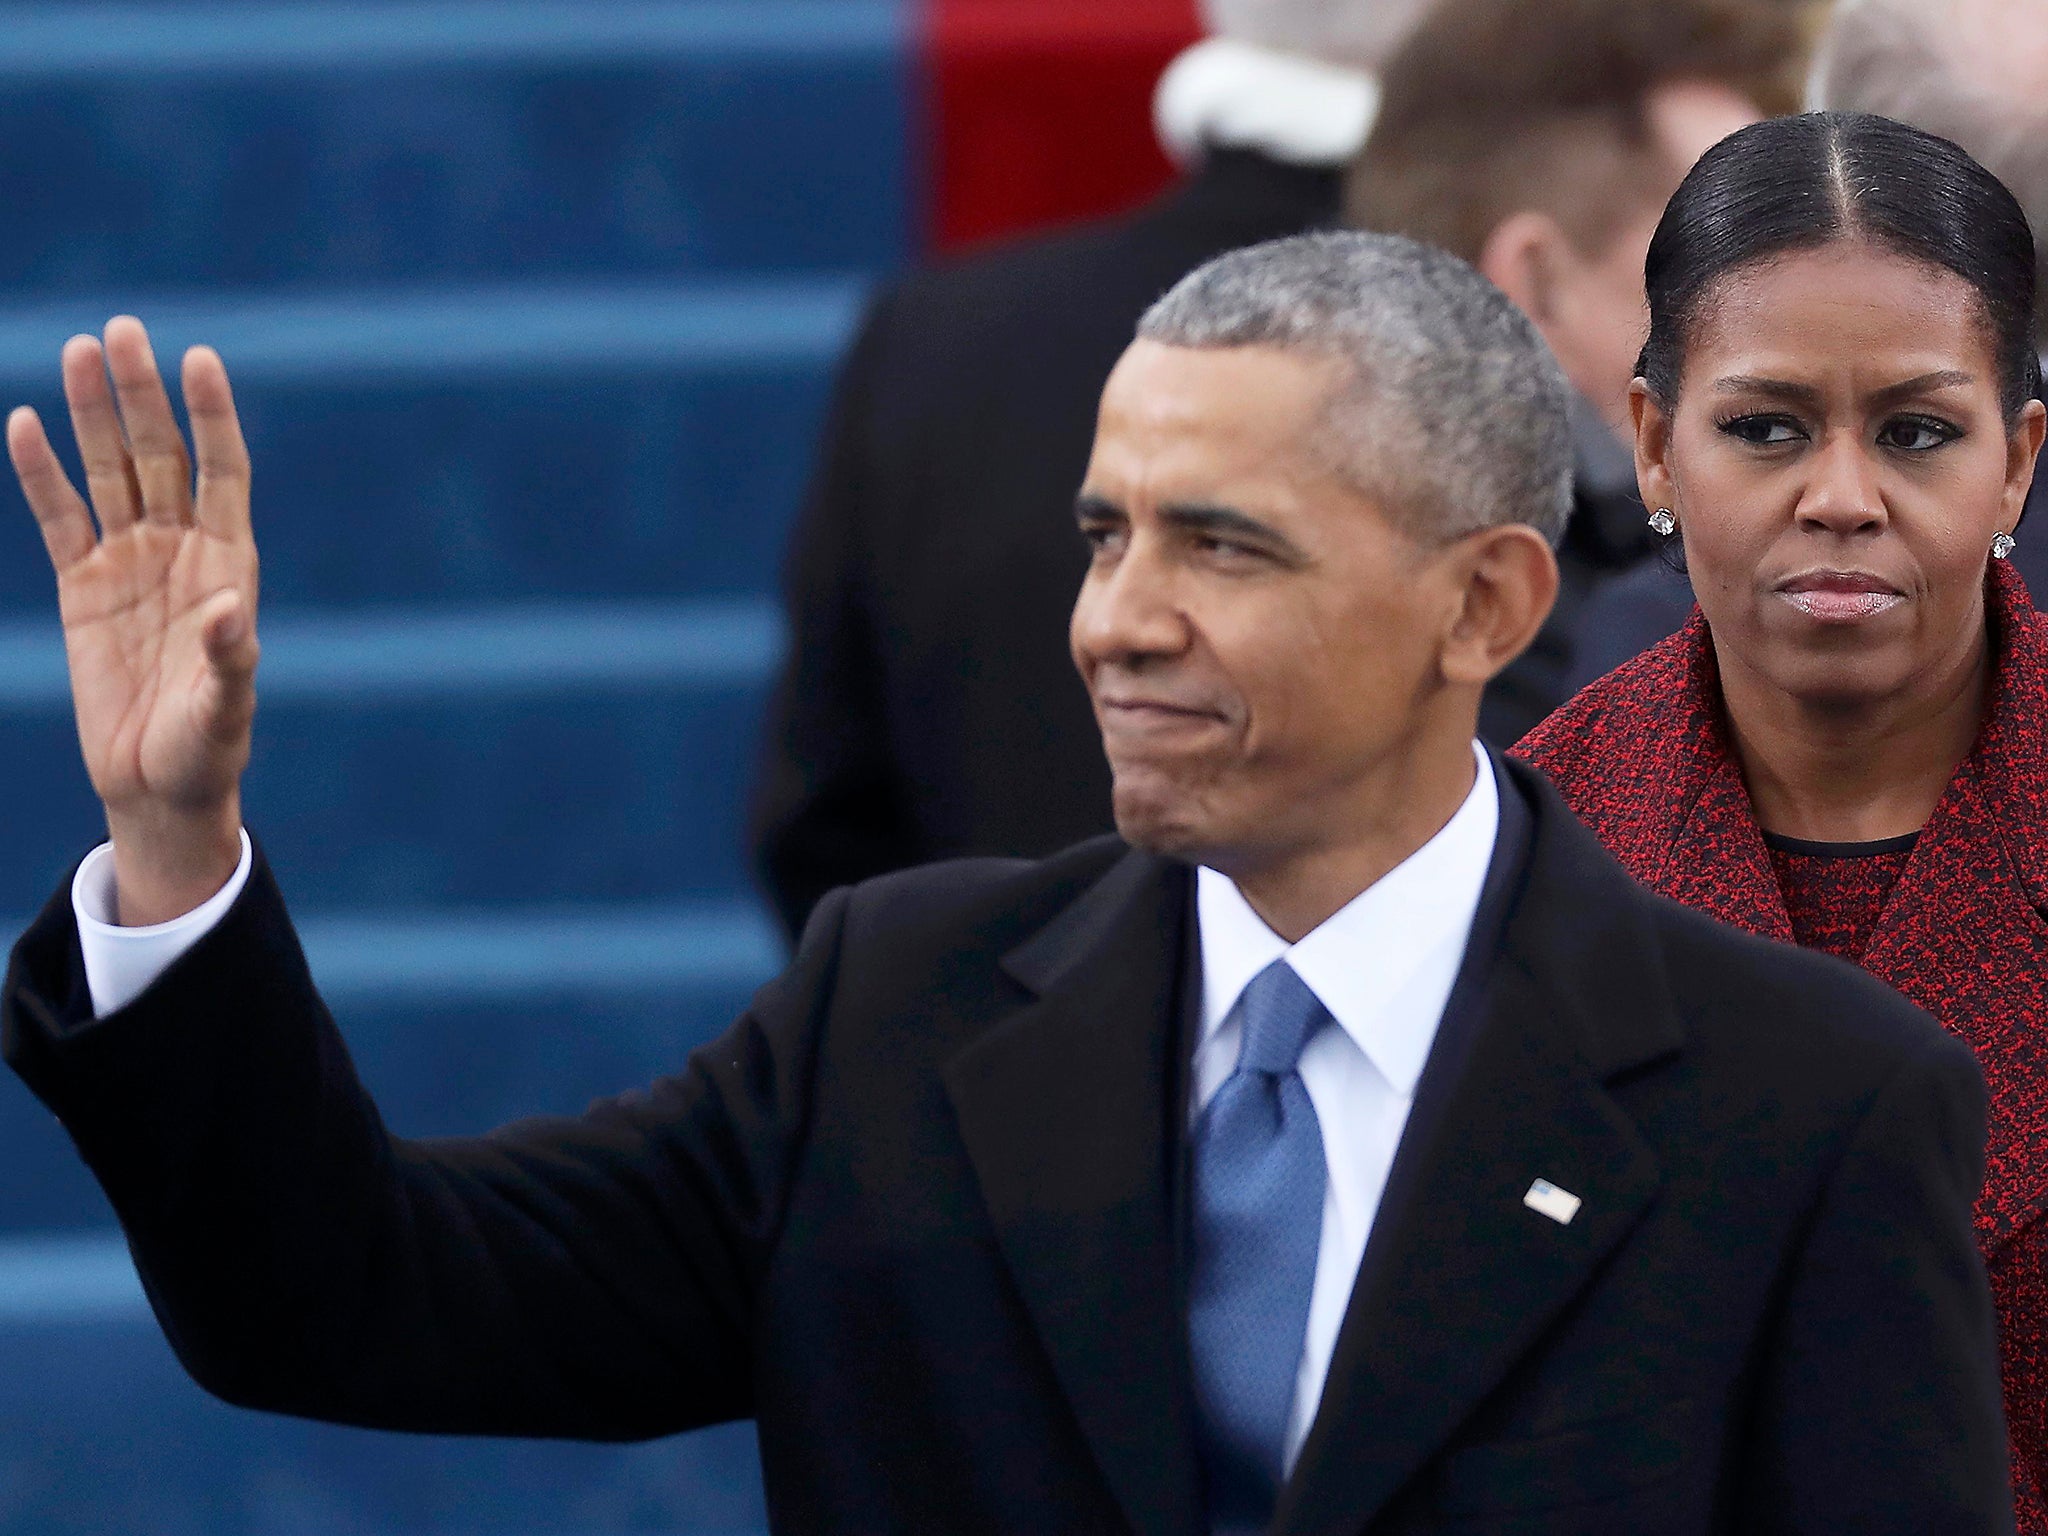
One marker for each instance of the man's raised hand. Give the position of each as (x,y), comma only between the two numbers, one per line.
(159,608)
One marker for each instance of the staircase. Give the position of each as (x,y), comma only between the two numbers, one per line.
(531,310)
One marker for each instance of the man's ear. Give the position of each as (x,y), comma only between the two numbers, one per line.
(1654,480)
(1520,258)
(1509,581)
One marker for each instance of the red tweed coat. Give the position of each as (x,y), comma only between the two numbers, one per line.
(1642,756)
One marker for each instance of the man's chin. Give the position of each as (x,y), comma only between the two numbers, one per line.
(1161,823)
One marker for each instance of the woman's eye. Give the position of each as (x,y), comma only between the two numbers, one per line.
(1763,430)
(1915,434)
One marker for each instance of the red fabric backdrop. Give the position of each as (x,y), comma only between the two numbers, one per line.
(1039,112)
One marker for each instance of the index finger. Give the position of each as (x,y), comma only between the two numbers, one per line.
(223,500)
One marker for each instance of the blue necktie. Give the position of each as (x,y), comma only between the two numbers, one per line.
(1259,1178)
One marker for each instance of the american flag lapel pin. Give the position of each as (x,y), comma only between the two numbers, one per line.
(1546,1199)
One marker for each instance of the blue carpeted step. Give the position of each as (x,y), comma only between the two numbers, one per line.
(451,447)
(531,306)
(360,802)
(101,1432)
(240,145)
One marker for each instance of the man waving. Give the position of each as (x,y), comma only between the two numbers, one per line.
(1348,1146)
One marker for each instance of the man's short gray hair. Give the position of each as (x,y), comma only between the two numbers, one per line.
(1452,417)
(1905,59)
(1362,34)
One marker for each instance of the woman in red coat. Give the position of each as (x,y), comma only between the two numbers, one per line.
(1847,745)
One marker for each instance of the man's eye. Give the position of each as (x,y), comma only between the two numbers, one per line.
(1763,430)
(1235,551)
(1916,434)
(1100,536)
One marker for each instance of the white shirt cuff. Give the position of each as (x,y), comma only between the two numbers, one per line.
(121,963)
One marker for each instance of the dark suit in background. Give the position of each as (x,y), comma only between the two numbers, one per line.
(929,708)
(921,1214)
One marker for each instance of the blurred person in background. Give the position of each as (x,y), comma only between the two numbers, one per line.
(927,708)
(1540,143)
(1975,71)
(1846,746)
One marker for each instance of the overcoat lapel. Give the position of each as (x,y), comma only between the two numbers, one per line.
(1715,860)
(1068,1109)
(1718,863)
(1460,1277)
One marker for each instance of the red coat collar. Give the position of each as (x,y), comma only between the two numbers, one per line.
(1643,756)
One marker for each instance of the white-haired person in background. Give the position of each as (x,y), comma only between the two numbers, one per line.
(927,708)
(1973,71)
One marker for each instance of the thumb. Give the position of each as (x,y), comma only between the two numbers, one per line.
(229,639)
(228,636)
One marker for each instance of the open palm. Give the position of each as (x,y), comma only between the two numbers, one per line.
(158,601)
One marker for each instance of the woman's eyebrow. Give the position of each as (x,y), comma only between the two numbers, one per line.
(1923,384)
(1806,394)
(1777,389)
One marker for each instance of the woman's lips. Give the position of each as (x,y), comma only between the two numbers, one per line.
(1840,597)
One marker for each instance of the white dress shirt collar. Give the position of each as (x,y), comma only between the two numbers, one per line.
(1237,95)
(1369,961)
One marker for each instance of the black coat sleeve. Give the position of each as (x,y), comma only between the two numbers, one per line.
(1879,1407)
(589,1277)
(829,805)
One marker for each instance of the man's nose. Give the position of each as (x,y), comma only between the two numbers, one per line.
(1130,610)
(1844,495)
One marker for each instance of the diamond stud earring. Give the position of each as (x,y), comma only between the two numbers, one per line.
(1664,522)
(2002,545)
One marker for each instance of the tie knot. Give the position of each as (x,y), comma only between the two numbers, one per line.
(1280,1013)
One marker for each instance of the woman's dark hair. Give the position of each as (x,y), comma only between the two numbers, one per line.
(1798,183)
